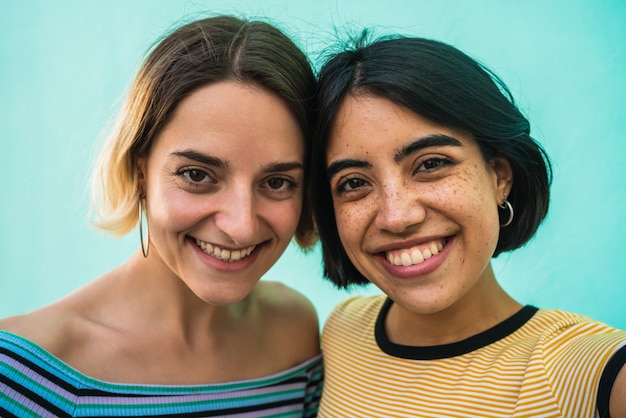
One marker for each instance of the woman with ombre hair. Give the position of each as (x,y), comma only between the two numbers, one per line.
(210,159)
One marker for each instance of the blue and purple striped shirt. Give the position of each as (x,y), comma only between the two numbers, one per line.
(35,383)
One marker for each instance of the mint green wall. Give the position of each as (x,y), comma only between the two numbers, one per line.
(64,66)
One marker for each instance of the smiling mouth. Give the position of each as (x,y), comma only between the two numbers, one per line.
(415,255)
(229,256)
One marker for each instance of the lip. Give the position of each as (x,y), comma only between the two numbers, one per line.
(408,244)
(415,270)
(224,265)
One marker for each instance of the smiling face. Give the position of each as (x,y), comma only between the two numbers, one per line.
(223,183)
(415,203)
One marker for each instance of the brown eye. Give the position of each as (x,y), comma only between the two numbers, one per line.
(279,188)
(195,175)
(280,184)
(350,184)
(354,183)
(276,183)
(433,163)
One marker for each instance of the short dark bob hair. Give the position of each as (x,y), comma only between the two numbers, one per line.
(446,86)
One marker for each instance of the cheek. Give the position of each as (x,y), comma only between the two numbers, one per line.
(284,217)
(352,220)
(175,208)
(475,201)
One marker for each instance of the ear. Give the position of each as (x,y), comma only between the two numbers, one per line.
(504,177)
(142,167)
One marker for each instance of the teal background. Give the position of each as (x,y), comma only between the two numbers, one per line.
(65,65)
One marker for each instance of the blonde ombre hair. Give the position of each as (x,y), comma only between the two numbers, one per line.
(199,53)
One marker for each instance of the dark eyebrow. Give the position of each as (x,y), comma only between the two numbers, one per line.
(201,158)
(280,167)
(339,165)
(216,162)
(436,140)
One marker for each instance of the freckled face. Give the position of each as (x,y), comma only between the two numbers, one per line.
(223,183)
(415,203)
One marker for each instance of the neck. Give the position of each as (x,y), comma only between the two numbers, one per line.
(484,306)
(142,294)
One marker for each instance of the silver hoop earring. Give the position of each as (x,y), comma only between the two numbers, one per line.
(507,206)
(145,246)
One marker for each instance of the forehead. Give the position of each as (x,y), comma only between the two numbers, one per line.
(234,119)
(367,124)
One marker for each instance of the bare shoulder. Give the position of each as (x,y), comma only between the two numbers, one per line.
(46,327)
(283,304)
(60,327)
(290,317)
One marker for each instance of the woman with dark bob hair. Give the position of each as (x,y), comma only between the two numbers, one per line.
(209,160)
(424,170)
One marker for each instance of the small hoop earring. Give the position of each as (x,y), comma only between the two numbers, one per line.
(145,247)
(507,205)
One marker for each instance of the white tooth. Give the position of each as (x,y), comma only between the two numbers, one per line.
(397,261)
(439,245)
(416,256)
(406,259)
(427,254)
(433,249)
(226,255)
(390,258)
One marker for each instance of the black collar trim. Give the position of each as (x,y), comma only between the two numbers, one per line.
(493,334)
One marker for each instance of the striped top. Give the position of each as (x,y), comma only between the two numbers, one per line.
(34,383)
(544,363)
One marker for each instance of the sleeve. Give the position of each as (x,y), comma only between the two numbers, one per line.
(609,375)
(582,362)
(313,394)
(15,382)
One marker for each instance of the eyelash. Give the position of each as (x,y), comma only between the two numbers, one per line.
(186,172)
(435,163)
(438,161)
(342,186)
(287,187)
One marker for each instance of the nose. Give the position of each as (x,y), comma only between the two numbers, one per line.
(237,216)
(399,209)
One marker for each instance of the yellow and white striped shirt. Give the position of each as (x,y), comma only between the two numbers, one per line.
(543,363)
